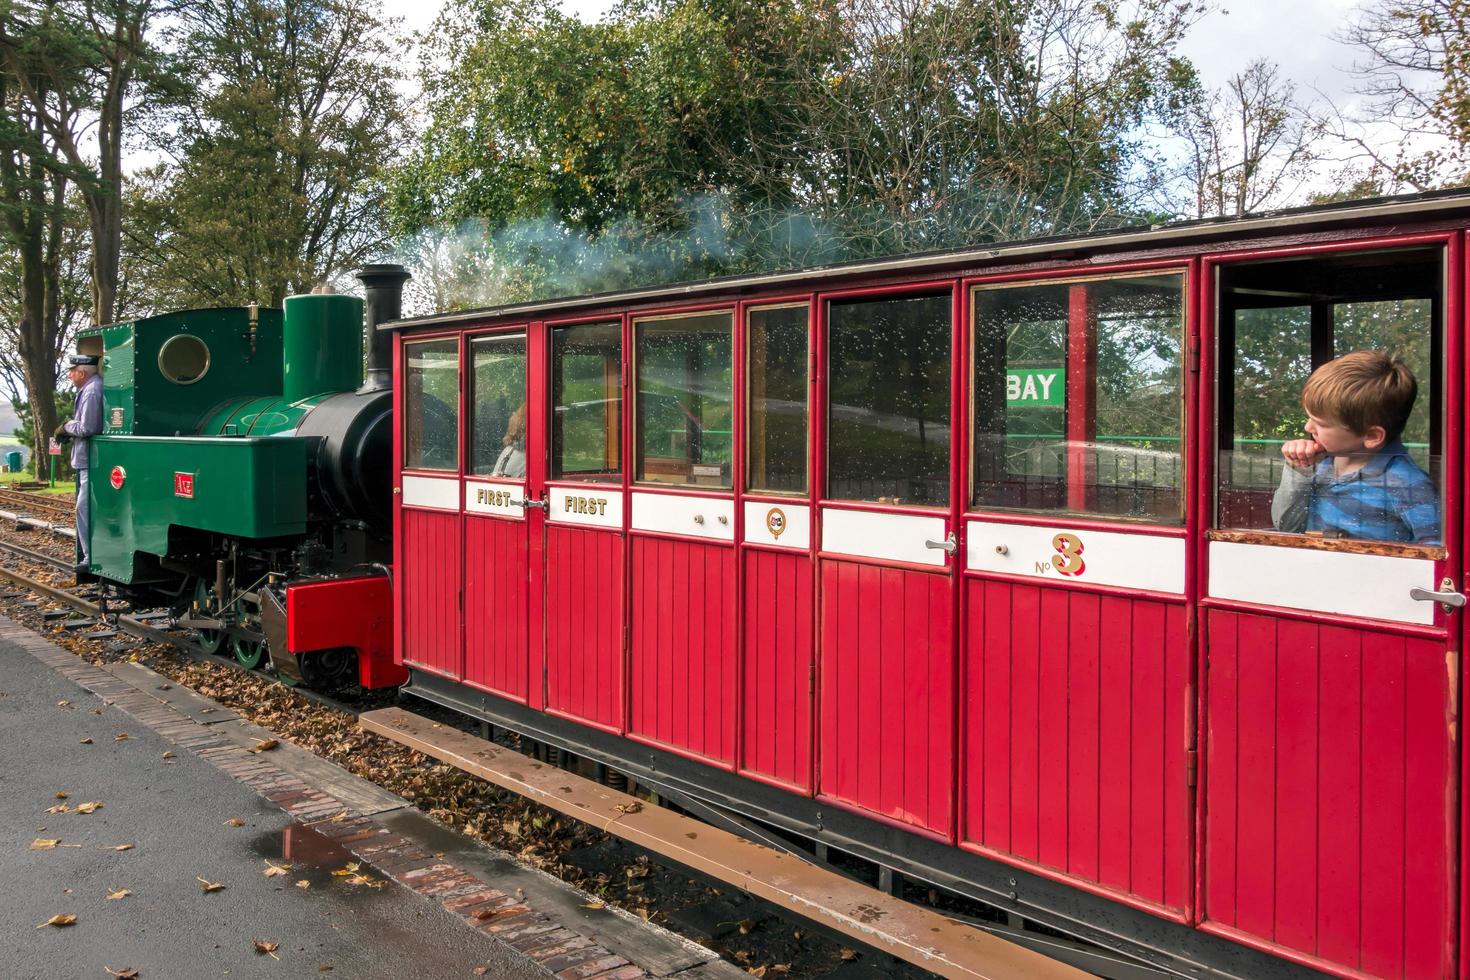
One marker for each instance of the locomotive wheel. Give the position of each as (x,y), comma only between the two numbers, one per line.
(205,604)
(249,654)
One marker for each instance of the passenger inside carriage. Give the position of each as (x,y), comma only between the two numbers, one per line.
(1353,478)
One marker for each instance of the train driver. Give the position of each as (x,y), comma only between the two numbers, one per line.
(1353,478)
(85,423)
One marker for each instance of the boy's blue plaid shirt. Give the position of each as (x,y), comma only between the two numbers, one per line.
(1388,499)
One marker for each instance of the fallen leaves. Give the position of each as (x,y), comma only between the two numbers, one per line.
(267,948)
(60,795)
(349,869)
(119,847)
(208,886)
(303,883)
(59,921)
(45,843)
(59,808)
(90,807)
(168,755)
(848,954)
(118,893)
(87,741)
(121,737)
(367,880)
(126,973)
(265,744)
(634,807)
(594,905)
(234,822)
(274,870)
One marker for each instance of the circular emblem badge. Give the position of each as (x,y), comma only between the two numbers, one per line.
(118,477)
(775,521)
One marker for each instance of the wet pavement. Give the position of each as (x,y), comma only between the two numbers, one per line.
(183,820)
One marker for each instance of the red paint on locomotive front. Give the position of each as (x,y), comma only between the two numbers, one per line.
(347,612)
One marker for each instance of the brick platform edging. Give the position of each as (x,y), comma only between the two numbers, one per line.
(509,919)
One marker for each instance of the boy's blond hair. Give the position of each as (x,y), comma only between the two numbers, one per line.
(1361,390)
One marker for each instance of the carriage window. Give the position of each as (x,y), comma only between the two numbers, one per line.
(1281,470)
(587,403)
(684,412)
(431,405)
(776,428)
(888,400)
(1078,397)
(498,394)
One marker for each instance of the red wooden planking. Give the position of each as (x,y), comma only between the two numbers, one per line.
(495,605)
(1339,790)
(1147,854)
(430,585)
(1383,805)
(1429,814)
(1297,756)
(1222,743)
(996,747)
(776,718)
(1053,695)
(972,712)
(1025,724)
(1115,678)
(1255,867)
(584,657)
(683,646)
(865,760)
(1178,811)
(1084,680)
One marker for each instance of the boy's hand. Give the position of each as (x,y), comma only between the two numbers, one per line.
(1303,454)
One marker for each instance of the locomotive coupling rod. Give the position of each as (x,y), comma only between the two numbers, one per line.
(871,917)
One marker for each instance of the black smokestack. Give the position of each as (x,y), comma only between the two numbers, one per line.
(382,285)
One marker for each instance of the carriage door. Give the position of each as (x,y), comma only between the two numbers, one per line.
(497,521)
(1076,651)
(1330,792)
(886,560)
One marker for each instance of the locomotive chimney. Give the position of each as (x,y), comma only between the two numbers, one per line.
(382,285)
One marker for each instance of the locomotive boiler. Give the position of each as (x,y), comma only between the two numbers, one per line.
(242,478)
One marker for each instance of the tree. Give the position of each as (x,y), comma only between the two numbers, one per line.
(1414,73)
(679,139)
(275,151)
(92,52)
(1249,145)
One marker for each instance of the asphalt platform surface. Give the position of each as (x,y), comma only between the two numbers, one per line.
(173,811)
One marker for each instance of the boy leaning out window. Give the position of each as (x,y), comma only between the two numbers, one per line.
(1353,478)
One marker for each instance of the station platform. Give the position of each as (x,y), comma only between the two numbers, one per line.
(164,797)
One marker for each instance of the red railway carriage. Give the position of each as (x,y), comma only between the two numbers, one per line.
(968,564)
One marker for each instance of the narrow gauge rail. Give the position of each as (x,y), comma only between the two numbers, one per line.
(27,500)
(139,628)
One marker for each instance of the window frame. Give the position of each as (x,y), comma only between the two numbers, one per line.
(1450,307)
(636,320)
(468,383)
(620,322)
(746,405)
(459,434)
(1188,329)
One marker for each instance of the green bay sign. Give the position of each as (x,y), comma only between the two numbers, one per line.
(1042,387)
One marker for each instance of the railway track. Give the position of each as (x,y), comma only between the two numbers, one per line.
(135,626)
(35,502)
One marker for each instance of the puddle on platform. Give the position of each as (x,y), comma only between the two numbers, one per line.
(303,847)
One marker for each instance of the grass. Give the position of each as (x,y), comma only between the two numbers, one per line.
(63,488)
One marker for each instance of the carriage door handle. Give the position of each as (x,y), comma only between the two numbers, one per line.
(1449,600)
(530,503)
(949,546)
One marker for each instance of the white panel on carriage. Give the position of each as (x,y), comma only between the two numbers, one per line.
(428,491)
(1132,561)
(780,524)
(1371,586)
(698,517)
(495,497)
(891,537)
(590,506)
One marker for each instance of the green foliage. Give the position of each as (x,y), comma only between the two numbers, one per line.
(276,150)
(678,139)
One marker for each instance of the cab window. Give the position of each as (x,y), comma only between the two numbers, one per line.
(431,405)
(1078,398)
